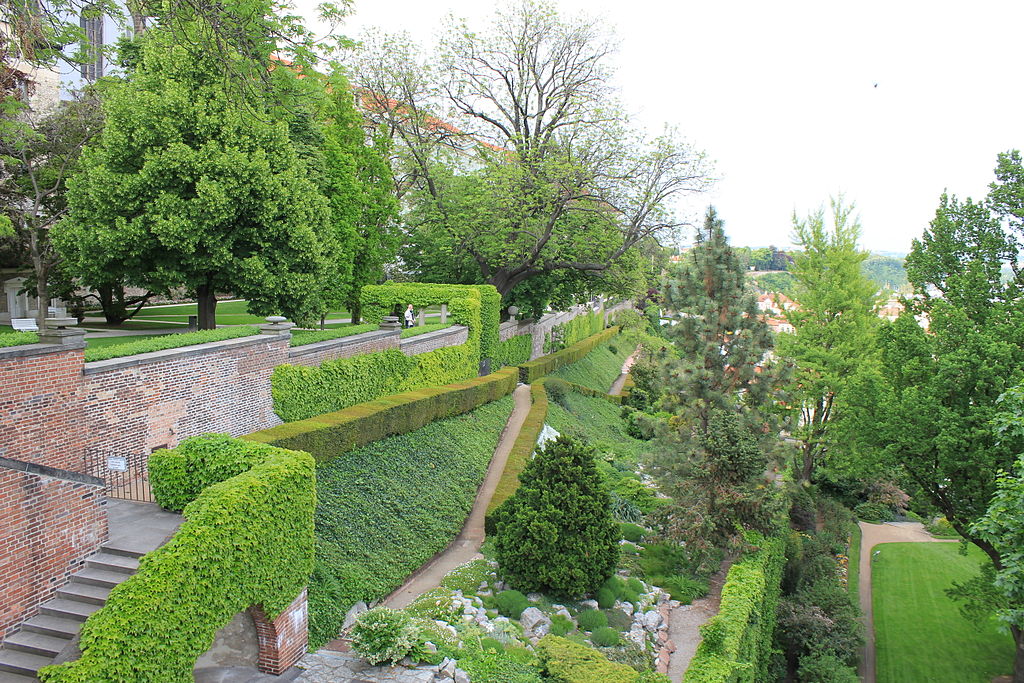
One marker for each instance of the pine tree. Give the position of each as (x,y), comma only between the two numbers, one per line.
(556,532)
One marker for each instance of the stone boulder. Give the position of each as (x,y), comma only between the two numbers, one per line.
(535,623)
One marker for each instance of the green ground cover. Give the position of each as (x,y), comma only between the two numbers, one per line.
(132,346)
(598,422)
(422,329)
(853,568)
(599,368)
(919,632)
(385,509)
(303,337)
(104,342)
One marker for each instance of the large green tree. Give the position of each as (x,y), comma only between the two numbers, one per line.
(834,326)
(512,153)
(191,185)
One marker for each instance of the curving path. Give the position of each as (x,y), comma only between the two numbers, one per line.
(466,546)
(621,379)
(872,535)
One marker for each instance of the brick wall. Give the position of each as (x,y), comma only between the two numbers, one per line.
(455,335)
(315,354)
(48,527)
(282,641)
(40,418)
(136,404)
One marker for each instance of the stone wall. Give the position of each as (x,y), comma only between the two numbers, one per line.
(134,405)
(48,527)
(455,335)
(315,354)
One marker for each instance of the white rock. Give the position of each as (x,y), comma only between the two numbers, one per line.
(350,617)
(535,623)
(447,668)
(461,676)
(626,607)
(652,620)
(636,635)
(533,597)
(589,604)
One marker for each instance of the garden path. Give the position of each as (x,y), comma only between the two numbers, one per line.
(872,535)
(686,620)
(621,379)
(466,546)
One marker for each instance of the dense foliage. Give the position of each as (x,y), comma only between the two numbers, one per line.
(515,350)
(246,540)
(555,533)
(18,338)
(565,661)
(170,341)
(386,508)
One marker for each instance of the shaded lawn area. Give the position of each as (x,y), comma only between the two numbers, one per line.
(228,313)
(169,326)
(919,632)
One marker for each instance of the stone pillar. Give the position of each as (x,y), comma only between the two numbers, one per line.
(444,314)
(422,317)
(282,641)
(391,322)
(62,332)
(277,324)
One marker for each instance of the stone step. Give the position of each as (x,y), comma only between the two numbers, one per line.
(36,643)
(50,625)
(99,577)
(69,609)
(11,677)
(84,592)
(22,662)
(125,549)
(113,563)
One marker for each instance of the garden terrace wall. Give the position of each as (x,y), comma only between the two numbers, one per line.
(455,335)
(137,404)
(52,520)
(344,347)
(328,436)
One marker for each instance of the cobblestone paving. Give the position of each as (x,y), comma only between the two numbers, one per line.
(337,667)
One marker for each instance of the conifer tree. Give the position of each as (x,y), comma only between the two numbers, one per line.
(556,531)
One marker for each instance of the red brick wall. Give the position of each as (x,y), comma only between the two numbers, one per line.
(315,354)
(47,528)
(40,420)
(136,404)
(282,641)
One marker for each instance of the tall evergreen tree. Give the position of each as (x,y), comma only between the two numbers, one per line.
(835,324)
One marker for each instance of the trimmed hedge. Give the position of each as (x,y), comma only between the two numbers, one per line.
(515,350)
(169,341)
(327,436)
(22,338)
(567,662)
(387,508)
(736,643)
(587,391)
(304,337)
(582,326)
(246,540)
(535,369)
(599,369)
(522,451)
(422,329)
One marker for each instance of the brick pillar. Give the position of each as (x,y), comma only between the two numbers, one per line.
(284,640)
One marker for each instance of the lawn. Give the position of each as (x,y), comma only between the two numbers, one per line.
(919,632)
(228,313)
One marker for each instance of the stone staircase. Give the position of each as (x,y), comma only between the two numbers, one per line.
(135,529)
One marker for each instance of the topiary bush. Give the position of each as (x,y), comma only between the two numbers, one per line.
(169,341)
(558,513)
(605,636)
(383,635)
(591,619)
(511,603)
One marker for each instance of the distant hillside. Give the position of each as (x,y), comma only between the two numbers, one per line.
(886,271)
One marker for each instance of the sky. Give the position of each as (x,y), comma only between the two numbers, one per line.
(890,103)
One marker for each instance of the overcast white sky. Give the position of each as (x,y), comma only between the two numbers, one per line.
(783,96)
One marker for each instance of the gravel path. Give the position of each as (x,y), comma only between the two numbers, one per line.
(621,379)
(685,623)
(872,535)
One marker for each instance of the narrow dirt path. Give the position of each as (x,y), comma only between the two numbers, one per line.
(685,622)
(872,535)
(621,379)
(466,545)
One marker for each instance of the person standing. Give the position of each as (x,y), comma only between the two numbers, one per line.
(409,316)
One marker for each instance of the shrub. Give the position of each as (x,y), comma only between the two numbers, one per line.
(635,585)
(561,624)
(436,604)
(874,512)
(663,559)
(169,341)
(498,667)
(20,338)
(427,480)
(825,669)
(468,577)
(630,596)
(613,348)
(685,589)
(246,540)
(605,597)
(634,533)
(328,436)
(383,635)
(591,619)
(567,662)
(511,603)
(558,390)
(581,548)
(306,337)
(605,636)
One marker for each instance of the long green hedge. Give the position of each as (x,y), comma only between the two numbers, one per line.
(304,337)
(515,350)
(168,341)
(329,435)
(18,338)
(522,451)
(737,642)
(387,508)
(599,369)
(535,369)
(247,540)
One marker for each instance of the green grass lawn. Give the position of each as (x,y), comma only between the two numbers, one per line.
(919,632)
(228,313)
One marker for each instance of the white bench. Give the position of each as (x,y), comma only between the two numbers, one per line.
(24,325)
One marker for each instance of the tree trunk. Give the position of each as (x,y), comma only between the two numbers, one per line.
(206,297)
(1018,659)
(356,311)
(807,469)
(42,294)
